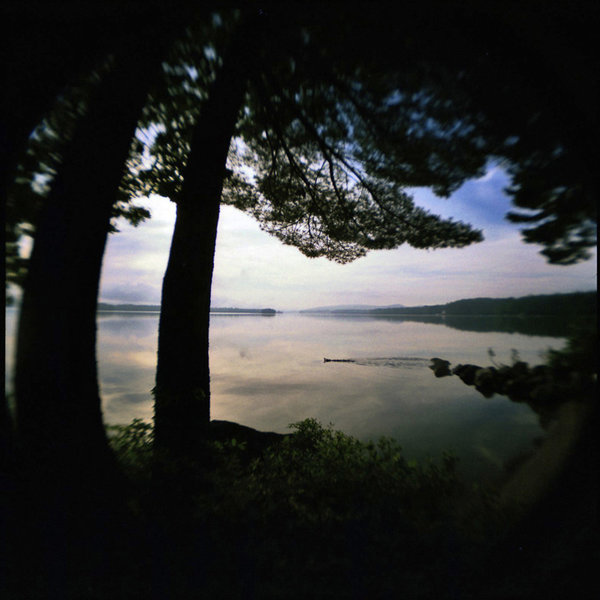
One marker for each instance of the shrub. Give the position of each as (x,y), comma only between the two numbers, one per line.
(317,514)
(132,445)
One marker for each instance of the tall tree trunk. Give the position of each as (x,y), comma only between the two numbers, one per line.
(57,398)
(182,392)
(43,52)
(69,473)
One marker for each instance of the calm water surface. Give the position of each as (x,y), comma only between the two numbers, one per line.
(268,372)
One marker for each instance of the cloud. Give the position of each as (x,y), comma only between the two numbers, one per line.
(136,257)
(253,269)
(135,293)
(481,202)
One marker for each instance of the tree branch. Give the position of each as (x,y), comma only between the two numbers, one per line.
(329,151)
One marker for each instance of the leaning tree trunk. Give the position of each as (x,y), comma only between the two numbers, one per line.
(43,53)
(182,392)
(57,399)
(68,490)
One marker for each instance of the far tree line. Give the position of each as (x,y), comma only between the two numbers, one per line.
(568,306)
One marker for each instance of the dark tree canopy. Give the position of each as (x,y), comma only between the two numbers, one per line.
(515,85)
(323,154)
(537,87)
(333,131)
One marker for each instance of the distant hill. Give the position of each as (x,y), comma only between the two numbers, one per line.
(563,305)
(152,308)
(566,305)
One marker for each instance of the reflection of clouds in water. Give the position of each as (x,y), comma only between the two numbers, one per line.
(357,400)
(134,398)
(121,405)
(258,387)
(10,326)
(117,413)
(137,325)
(126,365)
(267,373)
(140,358)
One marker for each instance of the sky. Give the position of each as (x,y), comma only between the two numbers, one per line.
(255,270)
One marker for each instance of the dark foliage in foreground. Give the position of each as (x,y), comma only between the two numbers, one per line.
(319,514)
(316,515)
(313,514)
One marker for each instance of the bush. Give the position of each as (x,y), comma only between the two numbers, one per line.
(321,506)
(320,475)
(132,445)
(318,514)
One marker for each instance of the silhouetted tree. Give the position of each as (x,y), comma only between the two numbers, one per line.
(330,151)
(43,50)
(68,187)
(333,133)
(55,62)
(60,432)
(539,89)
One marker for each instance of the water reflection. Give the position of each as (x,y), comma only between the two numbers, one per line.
(267,373)
(127,362)
(541,326)
(269,377)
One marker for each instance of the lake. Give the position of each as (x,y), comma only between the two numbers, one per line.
(267,372)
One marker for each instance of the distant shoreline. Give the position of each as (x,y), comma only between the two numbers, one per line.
(104,307)
(570,305)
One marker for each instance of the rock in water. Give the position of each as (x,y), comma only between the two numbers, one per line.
(440,367)
(466,373)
